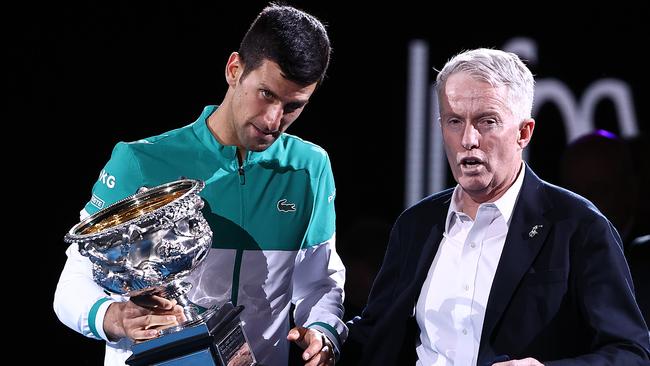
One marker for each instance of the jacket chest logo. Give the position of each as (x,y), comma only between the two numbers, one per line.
(284,206)
(533,232)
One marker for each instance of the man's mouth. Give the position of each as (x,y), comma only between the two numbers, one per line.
(264,131)
(470,162)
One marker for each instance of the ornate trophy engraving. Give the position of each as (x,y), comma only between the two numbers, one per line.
(146,244)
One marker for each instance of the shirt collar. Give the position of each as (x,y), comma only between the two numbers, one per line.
(505,204)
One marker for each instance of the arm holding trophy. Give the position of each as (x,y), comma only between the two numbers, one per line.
(144,246)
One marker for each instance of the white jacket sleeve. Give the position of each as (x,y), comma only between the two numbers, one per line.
(79,302)
(318,279)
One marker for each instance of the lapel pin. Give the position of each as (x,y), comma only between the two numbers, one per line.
(533,231)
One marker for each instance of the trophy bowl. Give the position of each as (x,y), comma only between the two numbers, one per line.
(147,243)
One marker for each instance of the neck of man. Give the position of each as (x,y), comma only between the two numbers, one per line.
(222,130)
(472,200)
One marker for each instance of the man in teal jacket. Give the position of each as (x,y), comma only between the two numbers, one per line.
(269,201)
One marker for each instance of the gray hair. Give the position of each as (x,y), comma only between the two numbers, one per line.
(498,68)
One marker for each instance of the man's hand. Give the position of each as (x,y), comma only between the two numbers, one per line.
(318,348)
(525,362)
(141,318)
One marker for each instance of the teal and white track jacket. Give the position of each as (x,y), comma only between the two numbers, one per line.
(273,226)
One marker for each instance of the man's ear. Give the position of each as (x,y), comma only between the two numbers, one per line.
(525,132)
(234,69)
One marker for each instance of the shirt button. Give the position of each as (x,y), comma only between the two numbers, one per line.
(466,287)
(472,244)
(465,331)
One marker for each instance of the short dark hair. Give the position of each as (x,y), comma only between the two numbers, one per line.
(293,39)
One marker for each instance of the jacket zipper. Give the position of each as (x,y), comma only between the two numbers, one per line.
(242,177)
(234,291)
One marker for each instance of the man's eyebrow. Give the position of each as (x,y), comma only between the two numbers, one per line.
(296,105)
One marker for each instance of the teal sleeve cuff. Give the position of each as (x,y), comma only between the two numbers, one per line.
(96,317)
(331,334)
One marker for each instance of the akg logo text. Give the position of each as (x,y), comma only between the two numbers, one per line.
(107,179)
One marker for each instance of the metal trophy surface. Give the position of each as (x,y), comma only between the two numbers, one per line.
(146,244)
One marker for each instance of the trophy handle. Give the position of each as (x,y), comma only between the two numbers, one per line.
(178,290)
(194,314)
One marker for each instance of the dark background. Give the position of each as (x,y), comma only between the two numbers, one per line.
(85,76)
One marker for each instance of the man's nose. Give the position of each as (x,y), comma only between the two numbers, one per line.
(470,137)
(273,117)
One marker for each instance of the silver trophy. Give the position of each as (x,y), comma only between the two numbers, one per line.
(146,244)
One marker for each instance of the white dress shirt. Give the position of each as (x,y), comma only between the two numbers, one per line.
(451,307)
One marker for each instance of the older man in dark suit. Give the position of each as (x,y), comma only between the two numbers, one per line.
(504,269)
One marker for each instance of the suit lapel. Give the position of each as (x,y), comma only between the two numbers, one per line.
(430,247)
(527,232)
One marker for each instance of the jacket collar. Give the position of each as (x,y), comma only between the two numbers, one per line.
(228,153)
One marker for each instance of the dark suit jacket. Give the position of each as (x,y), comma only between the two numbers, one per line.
(564,294)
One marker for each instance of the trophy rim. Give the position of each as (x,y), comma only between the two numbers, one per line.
(73,235)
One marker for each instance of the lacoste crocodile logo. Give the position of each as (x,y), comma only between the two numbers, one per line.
(283,206)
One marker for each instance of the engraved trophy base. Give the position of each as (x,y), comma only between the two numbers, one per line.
(220,341)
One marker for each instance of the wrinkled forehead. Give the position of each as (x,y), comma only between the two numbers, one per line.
(466,88)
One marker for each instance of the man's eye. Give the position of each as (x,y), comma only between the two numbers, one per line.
(266,94)
(488,122)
